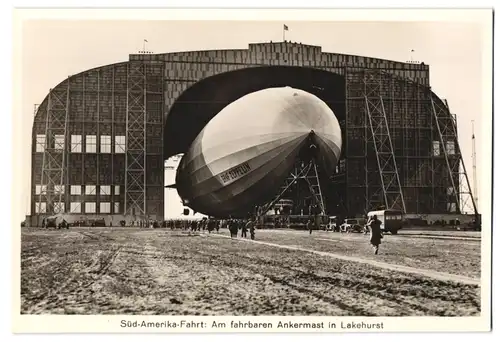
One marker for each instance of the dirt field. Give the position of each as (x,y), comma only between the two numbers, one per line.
(129,271)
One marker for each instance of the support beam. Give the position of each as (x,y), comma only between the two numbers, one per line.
(459,190)
(55,151)
(390,184)
(309,174)
(135,164)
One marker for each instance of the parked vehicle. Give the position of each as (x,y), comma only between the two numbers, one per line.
(332,224)
(352,225)
(392,220)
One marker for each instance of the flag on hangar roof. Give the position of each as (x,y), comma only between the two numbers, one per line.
(285,27)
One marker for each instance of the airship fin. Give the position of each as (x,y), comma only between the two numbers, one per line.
(171,186)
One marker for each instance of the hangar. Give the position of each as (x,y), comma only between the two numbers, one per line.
(100,137)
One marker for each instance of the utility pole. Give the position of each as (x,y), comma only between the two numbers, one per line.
(474,175)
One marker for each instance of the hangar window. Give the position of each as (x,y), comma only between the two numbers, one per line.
(40,207)
(105,190)
(435,148)
(90,190)
(59,189)
(40,142)
(342,165)
(76,143)
(40,189)
(117,207)
(91,143)
(105,144)
(450,147)
(76,190)
(59,207)
(452,207)
(120,144)
(59,142)
(105,207)
(117,189)
(76,207)
(90,207)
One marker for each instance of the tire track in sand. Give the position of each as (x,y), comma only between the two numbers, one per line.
(392,267)
(103,267)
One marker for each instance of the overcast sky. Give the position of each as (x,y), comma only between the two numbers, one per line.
(52,50)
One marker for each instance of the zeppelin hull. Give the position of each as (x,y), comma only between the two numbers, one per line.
(246,152)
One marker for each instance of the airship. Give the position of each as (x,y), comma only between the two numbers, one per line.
(245,153)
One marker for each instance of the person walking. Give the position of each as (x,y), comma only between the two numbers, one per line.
(375,233)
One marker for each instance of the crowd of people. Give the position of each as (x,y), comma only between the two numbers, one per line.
(210,225)
(234,226)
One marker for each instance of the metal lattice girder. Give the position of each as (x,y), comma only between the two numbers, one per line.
(460,193)
(312,179)
(135,164)
(55,150)
(309,173)
(387,168)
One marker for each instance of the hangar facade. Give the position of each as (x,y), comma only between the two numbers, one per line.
(100,137)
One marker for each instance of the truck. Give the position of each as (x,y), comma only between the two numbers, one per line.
(392,220)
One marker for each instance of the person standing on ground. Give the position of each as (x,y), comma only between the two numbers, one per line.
(233,228)
(210,225)
(310,226)
(251,226)
(375,233)
(244,228)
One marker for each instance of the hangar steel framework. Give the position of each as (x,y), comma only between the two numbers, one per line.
(107,127)
(392,124)
(54,168)
(78,129)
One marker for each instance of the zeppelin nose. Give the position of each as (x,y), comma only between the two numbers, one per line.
(312,142)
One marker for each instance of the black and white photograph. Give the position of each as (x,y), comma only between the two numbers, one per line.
(286,168)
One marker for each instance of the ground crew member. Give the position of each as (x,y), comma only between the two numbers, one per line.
(210,225)
(251,226)
(375,233)
(310,226)
(244,229)
(233,228)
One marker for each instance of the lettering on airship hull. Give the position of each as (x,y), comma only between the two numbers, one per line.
(235,173)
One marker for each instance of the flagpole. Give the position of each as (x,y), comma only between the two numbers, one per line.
(143,45)
(283,33)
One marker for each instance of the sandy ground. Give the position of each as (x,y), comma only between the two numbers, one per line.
(129,271)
